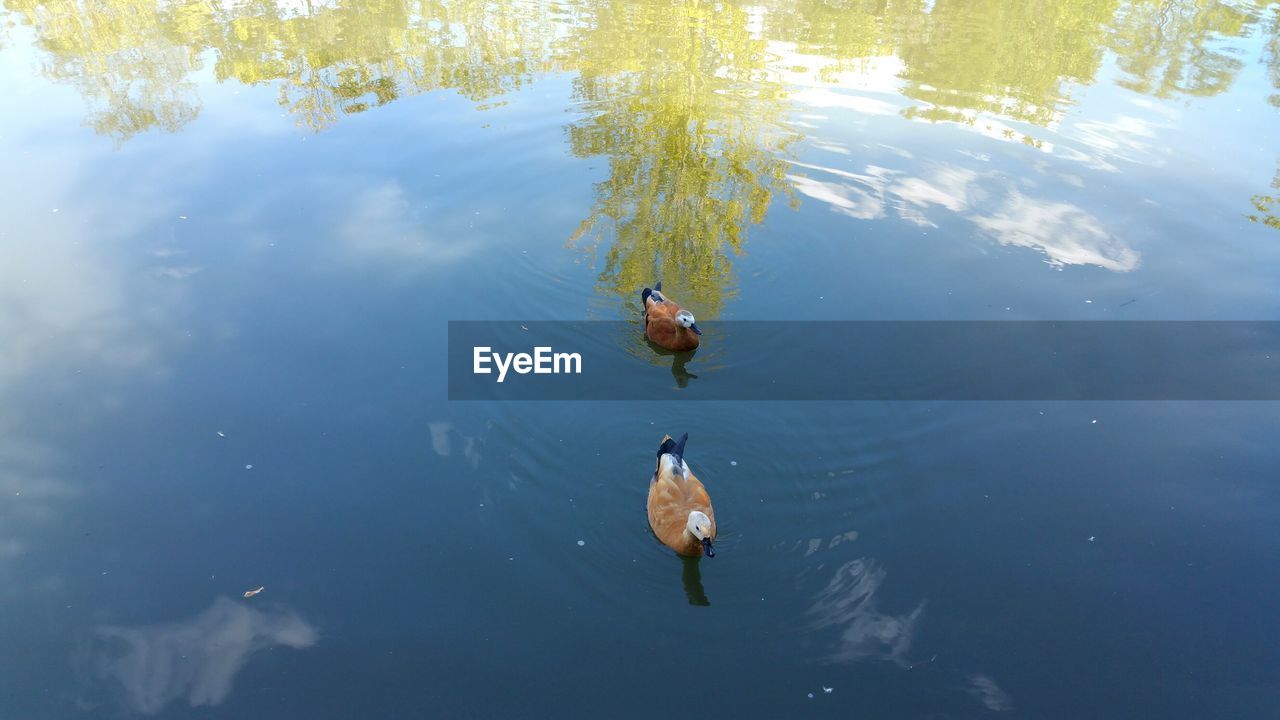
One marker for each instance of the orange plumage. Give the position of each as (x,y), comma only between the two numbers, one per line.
(678,502)
(666,323)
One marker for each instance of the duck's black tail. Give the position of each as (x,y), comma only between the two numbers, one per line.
(644,294)
(673,447)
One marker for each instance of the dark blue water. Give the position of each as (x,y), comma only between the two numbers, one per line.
(232,235)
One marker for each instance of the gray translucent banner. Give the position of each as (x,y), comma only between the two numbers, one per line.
(1234,360)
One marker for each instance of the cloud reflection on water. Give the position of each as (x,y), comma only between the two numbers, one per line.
(33,494)
(151,666)
(1065,233)
(848,603)
(989,693)
(445,437)
(381,224)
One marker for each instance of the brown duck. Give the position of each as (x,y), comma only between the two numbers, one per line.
(666,323)
(680,511)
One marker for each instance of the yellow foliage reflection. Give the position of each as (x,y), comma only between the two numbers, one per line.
(1167,47)
(1267,206)
(685,98)
(353,55)
(1005,58)
(126,58)
(692,126)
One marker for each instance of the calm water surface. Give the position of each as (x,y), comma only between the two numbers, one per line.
(231,235)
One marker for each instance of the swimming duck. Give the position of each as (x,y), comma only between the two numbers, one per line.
(666,323)
(680,511)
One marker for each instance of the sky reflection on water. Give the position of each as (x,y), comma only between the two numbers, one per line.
(231,233)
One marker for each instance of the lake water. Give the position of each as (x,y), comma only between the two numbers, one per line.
(232,235)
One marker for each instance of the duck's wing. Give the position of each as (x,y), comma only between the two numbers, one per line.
(655,299)
(697,498)
(660,324)
(667,514)
(652,295)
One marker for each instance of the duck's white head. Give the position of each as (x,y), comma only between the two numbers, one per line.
(685,318)
(699,526)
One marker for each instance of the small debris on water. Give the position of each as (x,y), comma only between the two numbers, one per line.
(1088,302)
(733,463)
(255,591)
(1093,422)
(524,328)
(810,696)
(581,543)
(248,467)
(1092,538)
(827,690)
(220,434)
(913,666)
(182,217)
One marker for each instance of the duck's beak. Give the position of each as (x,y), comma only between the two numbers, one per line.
(694,328)
(708,548)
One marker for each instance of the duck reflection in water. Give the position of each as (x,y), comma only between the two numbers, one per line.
(678,362)
(692,578)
